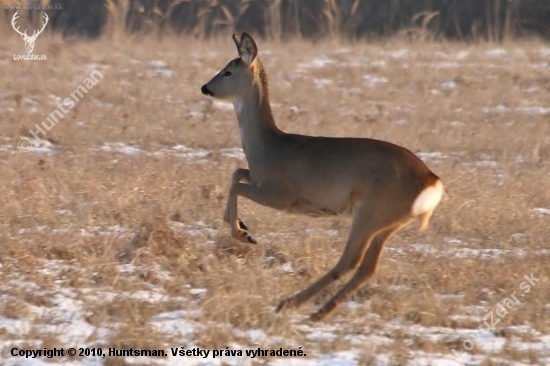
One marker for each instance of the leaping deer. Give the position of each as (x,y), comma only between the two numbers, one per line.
(29,41)
(382,186)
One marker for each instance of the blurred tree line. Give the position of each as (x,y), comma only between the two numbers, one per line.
(493,20)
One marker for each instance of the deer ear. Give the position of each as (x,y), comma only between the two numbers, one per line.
(248,51)
(237,42)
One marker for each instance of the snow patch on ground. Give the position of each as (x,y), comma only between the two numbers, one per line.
(179,151)
(541,211)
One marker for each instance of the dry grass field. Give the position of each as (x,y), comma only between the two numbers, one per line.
(111,228)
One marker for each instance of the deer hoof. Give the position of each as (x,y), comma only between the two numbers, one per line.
(315,317)
(250,239)
(242,225)
(286,304)
(244,236)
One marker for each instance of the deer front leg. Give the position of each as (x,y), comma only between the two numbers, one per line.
(270,195)
(238,176)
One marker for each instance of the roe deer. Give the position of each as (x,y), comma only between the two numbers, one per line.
(382,186)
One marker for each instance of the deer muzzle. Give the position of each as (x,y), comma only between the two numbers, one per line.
(205,91)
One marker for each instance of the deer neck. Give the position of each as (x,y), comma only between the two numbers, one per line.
(257,127)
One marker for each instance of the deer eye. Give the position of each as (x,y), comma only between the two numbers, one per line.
(227,73)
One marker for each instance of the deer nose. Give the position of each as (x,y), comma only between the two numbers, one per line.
(205,91)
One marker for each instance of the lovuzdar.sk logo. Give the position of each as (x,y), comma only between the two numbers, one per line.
(29,40)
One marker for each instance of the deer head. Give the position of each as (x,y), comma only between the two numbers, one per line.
(29,41)
(236,79)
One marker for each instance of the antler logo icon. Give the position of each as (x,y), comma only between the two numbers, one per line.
(29,41)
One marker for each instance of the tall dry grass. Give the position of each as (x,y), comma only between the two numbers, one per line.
(471,20)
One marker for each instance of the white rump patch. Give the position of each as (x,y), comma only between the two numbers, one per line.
(428,199)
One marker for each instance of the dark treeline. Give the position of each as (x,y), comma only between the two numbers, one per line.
(493,20)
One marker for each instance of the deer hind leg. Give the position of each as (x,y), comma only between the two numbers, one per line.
(269,196)
(366,270)
(238,176)
(351,257)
